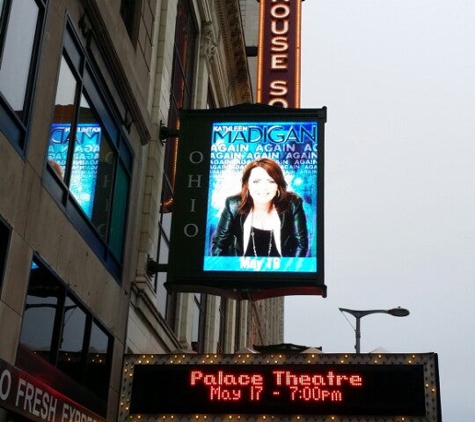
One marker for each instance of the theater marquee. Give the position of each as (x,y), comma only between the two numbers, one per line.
(294,387)
(278,70)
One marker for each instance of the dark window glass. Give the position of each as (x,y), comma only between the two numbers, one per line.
(57,329)
(21,23)
(222,325)
(130,12)
(238,326)
(4,241)
(164,299)
(72,340)
(119,208)
(44,299)
(199,322)
(104,187)
(89,159)
(98,361)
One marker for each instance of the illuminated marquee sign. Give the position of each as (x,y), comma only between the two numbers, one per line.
(381,387)
(216,244)
(278,76)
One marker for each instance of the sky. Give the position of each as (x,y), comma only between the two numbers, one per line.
(398,78)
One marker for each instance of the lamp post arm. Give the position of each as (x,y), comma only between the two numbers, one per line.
(399,312)
(361,314)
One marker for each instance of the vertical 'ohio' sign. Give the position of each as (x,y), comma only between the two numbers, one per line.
(278,69)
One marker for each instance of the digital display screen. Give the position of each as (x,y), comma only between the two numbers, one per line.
(352,389)
(248,202)
(293,149)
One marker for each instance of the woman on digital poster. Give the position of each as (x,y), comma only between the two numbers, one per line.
(264,219)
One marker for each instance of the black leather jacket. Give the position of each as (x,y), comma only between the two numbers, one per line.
(228,240)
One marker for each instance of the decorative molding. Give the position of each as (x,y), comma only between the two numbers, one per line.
(235,47)
(208,44)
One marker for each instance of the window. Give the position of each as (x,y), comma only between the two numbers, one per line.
(223,308)
(130,12)
(161,277)
(21,23)
(89,159)
(180,97)
(4,241)
(4,9)
(58,332)
(199,318)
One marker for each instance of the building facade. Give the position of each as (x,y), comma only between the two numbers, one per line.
(87,91)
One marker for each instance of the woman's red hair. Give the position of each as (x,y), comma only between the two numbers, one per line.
(280,200)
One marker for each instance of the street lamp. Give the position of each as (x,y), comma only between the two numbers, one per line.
(398,312)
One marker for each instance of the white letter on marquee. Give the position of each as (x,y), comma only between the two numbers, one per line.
(5,379)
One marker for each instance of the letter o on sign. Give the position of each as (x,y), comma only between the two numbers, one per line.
(5,384)
(279,102)
(196,157)
(276,13)
(191,230)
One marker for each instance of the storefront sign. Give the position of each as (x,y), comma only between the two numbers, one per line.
(23,394)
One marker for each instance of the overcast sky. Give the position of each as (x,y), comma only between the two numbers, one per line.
(398,78)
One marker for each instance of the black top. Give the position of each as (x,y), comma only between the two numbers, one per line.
(264,243)
(228,239)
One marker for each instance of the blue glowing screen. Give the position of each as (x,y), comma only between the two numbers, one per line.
(293,145)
